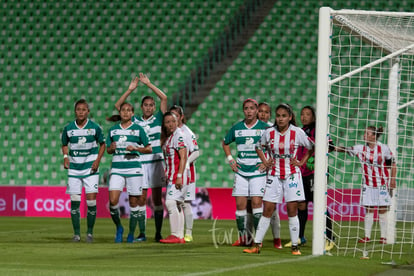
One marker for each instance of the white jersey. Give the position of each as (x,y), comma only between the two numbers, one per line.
(191,141)
(373,163)
(174,143)
(283,147)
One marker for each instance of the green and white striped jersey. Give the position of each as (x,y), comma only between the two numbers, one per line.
(83,144)
(124,162)
(152,127)
(246,139)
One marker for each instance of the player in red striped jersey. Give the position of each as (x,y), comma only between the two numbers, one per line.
(285,180)
(379,172)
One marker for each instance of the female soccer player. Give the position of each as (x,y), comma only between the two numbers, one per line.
(175,153)
(81,156)
(153,163)
(264,113)
(126,142)
(376,161)
(193,154)
(285,180)
(249,181)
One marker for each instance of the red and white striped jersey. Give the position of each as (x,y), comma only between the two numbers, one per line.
(191,141)
(373,162)
(174,143)
(283,147)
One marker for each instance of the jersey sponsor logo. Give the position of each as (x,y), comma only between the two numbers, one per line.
(81,140)
(249,141)
(293,185)
(247,154)
(282,156)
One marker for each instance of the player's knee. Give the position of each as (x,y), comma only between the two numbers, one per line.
(170,204)
(75,197)
(91,203)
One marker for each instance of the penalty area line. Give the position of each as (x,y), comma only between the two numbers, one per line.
(248,266)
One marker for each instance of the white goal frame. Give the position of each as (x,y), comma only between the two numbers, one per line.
(324,83)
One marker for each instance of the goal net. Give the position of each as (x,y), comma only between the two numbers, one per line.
(365,78)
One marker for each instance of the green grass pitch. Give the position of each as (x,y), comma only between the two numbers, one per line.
(41,246)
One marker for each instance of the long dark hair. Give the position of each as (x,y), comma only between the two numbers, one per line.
(378,131)
(117,117)
(289,110)
(164,135)
(180,111)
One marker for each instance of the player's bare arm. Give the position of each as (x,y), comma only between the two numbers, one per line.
(183,160)
(146,149)
(111,149)
(95,164)
(66,162)
(233,164)
(132,86)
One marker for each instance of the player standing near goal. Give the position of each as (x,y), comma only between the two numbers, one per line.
(285,180)
(193,154)
(153,163)
(376,161)
(175,152)
(126,142)
(83,145)
(249,181)
(264,113)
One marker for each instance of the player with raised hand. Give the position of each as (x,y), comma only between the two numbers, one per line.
(193,154)
(83,145)
(153,163)
(379,173)
(126,142)
(176,153)
(249,180)
(285,181)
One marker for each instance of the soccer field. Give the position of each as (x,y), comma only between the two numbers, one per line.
(41,246)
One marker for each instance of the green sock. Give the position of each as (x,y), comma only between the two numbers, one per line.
(91,217)
(142,221)
(241,226)
(133,219)
(158,217)
(115,215)
(256,218)
(75,216)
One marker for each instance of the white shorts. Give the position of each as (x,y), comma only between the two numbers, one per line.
(375,196)
(249,186)
(190,194)
(290,188)
(175,194)
(154,175)
(75,185)
(133,184)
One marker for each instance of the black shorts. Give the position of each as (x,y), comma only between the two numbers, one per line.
(308,187)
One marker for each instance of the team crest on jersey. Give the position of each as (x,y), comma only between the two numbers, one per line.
(89,132)
(258,132)
(132,132)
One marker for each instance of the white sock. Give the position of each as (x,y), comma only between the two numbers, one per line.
(174,216)
(262,227)
(383,221)
(275,223)
(369,221)
(294,229)
(188,218)
(180,221)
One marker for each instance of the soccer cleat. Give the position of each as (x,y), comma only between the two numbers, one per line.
(89,238)
(172,239)
(289,244)
(383,241)
(188,238)
(303,241)
(130,238)
(141,238)
(76,238)
(277,243)
(253,250)
(295,250)
(158,237)
(119,233)
(364,240)
(329,245)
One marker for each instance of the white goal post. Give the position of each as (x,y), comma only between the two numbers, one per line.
(365,77)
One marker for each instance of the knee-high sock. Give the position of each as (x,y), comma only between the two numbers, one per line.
(174,216)
(158,217)
(257,213)
(294,229)
(142,218)
(91,216)
(275,223)
(188,218)
(241,222)
(114,210)
(383,221)
(369,221)
(303,218)
(75,216)
(180,221)
(262,227)
(133,219)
